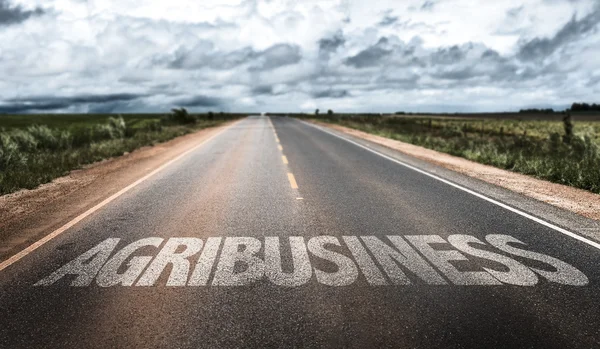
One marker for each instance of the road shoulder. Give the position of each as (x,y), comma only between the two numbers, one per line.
(28,215)
(571,208)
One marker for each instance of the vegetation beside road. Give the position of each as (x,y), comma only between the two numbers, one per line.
(35,149)
(566,152)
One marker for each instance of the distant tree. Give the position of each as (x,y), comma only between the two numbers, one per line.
(568,125)
(330,112)
(211,115)
(181,116)
(317,112)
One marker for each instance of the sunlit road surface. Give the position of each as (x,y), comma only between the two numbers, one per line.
(277,234)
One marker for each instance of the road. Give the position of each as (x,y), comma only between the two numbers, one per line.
(277,234)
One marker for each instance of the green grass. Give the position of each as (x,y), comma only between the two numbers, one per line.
(35,149)
(69,121)
(536,148)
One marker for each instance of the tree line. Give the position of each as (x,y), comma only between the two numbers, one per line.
(574,107)
(585,107)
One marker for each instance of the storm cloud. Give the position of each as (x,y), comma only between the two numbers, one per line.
(331,94)
(52,103)
(331,44)
(388,20)
(370,56)
(277,56)
(13,14)
(204,56)
(198,101)
(428,5)
(574,30)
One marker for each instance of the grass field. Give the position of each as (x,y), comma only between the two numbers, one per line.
(35,149)
(542,148)
(69,121)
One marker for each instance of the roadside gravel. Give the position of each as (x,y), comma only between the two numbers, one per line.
(27,215)
(575,200)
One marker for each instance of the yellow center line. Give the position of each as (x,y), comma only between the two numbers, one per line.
(292,181)
(291,177)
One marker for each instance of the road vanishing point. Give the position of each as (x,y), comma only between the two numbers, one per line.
(278,233)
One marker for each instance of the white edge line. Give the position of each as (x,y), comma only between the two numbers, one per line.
(481,196)
(14,258)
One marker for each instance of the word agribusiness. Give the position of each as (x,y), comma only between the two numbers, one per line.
(295,261)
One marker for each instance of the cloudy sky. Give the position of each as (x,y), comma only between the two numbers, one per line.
(250,55)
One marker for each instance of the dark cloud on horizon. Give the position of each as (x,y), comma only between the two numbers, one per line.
(198,101)
(14,14)
(49,103)
(117,107)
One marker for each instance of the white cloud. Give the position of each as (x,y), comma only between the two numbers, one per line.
(289,55)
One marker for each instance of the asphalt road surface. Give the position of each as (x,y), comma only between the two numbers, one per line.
(277,234)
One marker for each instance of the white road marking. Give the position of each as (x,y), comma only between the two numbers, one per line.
(371,272)
(442,260)
(109,274)
(86,266)
(565,273)
(300,261)
(517,273)
(402,254)
(205,263)
(481,196)
(346,272)
(247,260)
(232,255)
(168,255)
(82,216)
